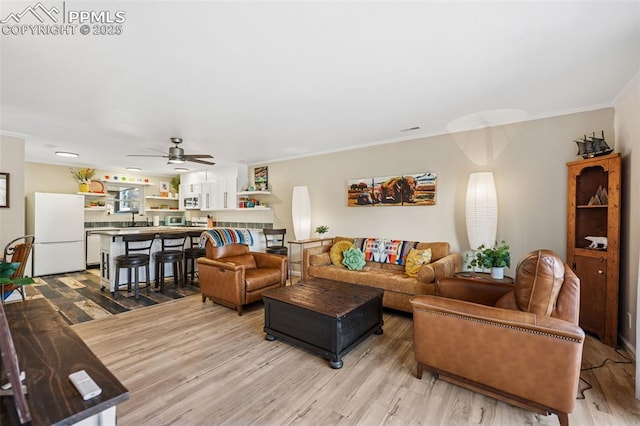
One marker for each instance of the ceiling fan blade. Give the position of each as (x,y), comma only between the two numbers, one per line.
(195,160)
(146,155)
(197,156)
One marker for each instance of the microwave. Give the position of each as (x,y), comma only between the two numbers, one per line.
(191,202)
(174,221)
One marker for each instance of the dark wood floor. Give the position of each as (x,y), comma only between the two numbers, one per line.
(77,296)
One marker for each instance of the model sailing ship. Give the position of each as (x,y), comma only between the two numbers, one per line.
(592,146)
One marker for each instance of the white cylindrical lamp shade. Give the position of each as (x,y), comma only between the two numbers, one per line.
(301,212)
(481,210)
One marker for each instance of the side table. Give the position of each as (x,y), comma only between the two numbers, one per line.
(483,277)
(299,259)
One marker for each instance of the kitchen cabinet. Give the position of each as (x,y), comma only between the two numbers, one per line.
(219,195)
(209,196)
(594,211)
(226,190)
(92,248)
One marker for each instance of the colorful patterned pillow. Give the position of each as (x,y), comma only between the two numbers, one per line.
(415,260)
(354,259)
(384,251)
(336,251)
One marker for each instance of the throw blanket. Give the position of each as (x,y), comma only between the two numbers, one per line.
(224,236)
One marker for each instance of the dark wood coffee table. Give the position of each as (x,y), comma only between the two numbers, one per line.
(326,317)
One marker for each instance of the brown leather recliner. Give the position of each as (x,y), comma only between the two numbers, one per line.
(233,276)
(519,343)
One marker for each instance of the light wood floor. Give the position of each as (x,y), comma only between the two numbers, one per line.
(186,363)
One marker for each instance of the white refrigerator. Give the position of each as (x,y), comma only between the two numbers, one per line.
(58,226)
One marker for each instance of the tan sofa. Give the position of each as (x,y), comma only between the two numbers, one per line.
(398,287)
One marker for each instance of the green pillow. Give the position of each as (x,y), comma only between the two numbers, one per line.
(335,254)
(353,259)
(8,268)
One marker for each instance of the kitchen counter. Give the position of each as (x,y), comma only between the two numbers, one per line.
(112,245)
(118,232)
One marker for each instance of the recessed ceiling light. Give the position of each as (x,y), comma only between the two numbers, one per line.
(67,154)
(181,169)
(134,169)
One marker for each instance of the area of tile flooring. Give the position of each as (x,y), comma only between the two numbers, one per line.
(78,298)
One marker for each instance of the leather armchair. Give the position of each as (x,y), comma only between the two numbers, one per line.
(519,343)
(233,276)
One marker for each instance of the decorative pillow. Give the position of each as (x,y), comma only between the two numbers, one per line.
(336,251)
(415,260)
(8,268)
(354,259)
(384,251)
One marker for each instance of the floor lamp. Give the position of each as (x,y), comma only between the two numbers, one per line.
(481,210)
(301,213)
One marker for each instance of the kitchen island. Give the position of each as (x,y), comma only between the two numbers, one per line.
(112,245)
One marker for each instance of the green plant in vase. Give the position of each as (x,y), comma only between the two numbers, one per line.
(495,258)
(322,229)
(175,184)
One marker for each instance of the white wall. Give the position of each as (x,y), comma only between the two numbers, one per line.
(627,125)
(528,160)
(41,177)
(12,219)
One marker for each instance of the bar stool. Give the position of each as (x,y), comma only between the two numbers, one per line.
(172,251)
(192,253)
(274,239)
(137,253)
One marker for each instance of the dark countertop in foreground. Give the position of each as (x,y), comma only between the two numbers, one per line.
(48,351)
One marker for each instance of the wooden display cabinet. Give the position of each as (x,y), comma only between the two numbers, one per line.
(594,211)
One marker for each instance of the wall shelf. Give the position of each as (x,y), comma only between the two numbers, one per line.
(254,193)
(93,194)
(126,182)
(155,197)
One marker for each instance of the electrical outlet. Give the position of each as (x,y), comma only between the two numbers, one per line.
(629,318)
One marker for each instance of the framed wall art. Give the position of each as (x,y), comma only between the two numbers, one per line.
(4,190)
(261,178)
(406,190)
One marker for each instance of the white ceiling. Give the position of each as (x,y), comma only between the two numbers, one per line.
(260,81)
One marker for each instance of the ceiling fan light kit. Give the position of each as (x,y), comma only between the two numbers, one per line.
(177,155)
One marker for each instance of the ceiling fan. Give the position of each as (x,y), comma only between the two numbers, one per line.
(177,155)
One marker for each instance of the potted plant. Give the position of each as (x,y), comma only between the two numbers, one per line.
(495,258)
(175,185)
(321,230)
(83,176)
